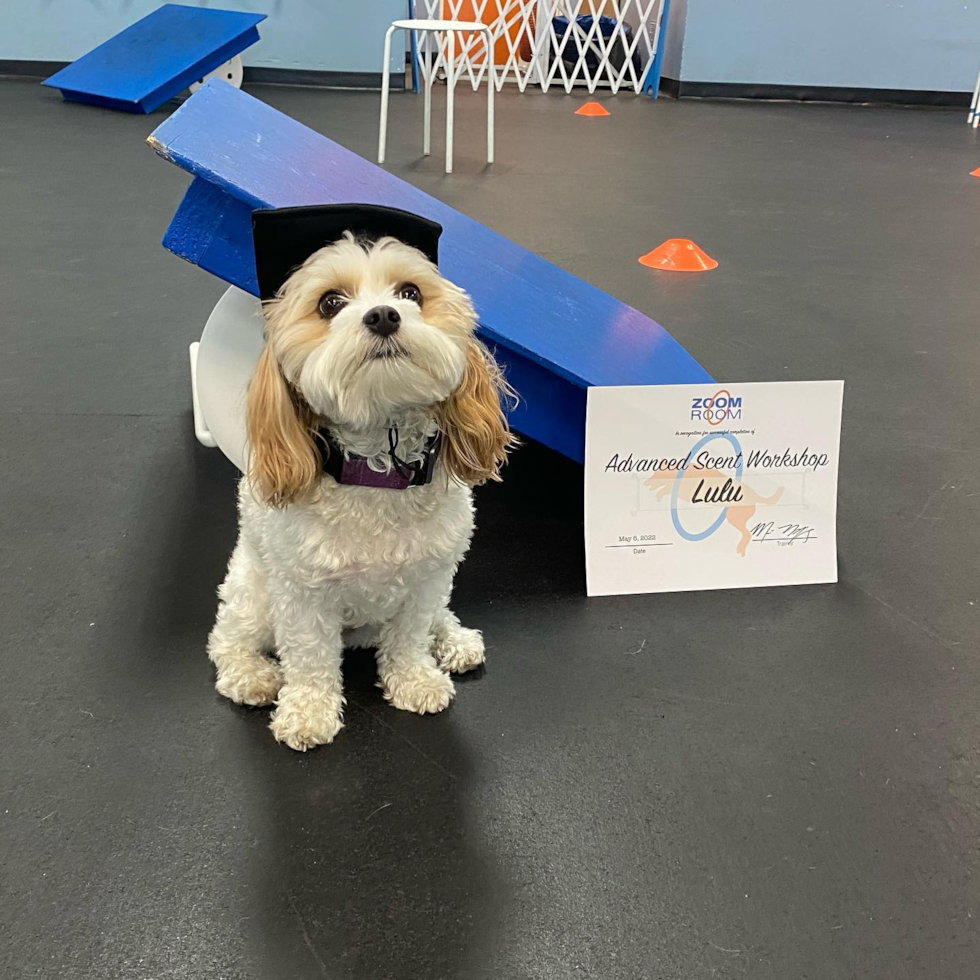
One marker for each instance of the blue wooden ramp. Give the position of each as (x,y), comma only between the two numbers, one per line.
(556,334)
(157,57)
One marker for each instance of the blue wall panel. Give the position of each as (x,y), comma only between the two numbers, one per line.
(925,45)
(319,35)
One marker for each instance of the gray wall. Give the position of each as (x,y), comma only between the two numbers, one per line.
(890,44)
(325,35)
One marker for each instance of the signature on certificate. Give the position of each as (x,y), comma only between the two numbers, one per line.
(782,533)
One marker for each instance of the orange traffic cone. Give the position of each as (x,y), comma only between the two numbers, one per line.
(975,173)
(591,109)
(678,255)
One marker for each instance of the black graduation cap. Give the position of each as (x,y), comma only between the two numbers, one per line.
(285,238)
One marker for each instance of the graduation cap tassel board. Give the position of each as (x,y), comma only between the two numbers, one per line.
(555,334)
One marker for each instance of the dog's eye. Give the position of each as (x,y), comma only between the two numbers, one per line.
(331,303)
(411,292)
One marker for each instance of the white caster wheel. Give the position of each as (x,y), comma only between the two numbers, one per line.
(231,71)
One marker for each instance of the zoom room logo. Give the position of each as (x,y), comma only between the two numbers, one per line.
(720,407)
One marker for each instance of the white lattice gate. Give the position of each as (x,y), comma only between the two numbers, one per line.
(531,42)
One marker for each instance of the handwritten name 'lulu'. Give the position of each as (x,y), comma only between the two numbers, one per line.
(730,493)
(764,459)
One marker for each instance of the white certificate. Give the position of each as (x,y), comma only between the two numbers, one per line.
(714,486)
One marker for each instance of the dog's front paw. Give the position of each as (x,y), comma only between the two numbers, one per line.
(248,678)
(459,650)
(421,688)
(306,718)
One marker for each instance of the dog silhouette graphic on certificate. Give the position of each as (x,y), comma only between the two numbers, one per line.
(712,489)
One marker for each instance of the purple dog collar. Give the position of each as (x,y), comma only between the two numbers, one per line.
(353,470)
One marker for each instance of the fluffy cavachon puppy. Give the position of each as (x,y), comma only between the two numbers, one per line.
(372,412)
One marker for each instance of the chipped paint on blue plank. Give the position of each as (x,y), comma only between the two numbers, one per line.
(157,57)
(558,334)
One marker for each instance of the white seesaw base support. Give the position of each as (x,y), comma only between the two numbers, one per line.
(201,429)
(222,364)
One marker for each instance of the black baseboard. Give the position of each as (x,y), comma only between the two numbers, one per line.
(814,93)
(322,79)
(669,86)
(31,69)
(272,76)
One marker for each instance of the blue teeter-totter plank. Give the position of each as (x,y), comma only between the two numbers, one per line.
(157,57)
(556,334)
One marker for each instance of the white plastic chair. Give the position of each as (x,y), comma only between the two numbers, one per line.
(449,28)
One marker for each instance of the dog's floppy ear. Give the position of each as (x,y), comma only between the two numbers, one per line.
(283,462)
(473,424)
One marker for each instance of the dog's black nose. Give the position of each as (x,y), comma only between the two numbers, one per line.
(382,320)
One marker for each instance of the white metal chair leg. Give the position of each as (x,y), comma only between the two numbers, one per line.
(491,85)
(383,133)
(450,91)
(427,110)
(972,114)
(201,429)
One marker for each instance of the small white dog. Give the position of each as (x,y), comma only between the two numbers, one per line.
(372,411)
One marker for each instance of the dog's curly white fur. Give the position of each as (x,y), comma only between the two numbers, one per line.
(319,565)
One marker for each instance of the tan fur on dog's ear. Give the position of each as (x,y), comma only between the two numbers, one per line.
(284,462)
(474,427)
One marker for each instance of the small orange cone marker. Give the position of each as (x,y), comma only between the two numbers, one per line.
(975,173)
(678,255)
(591,109)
